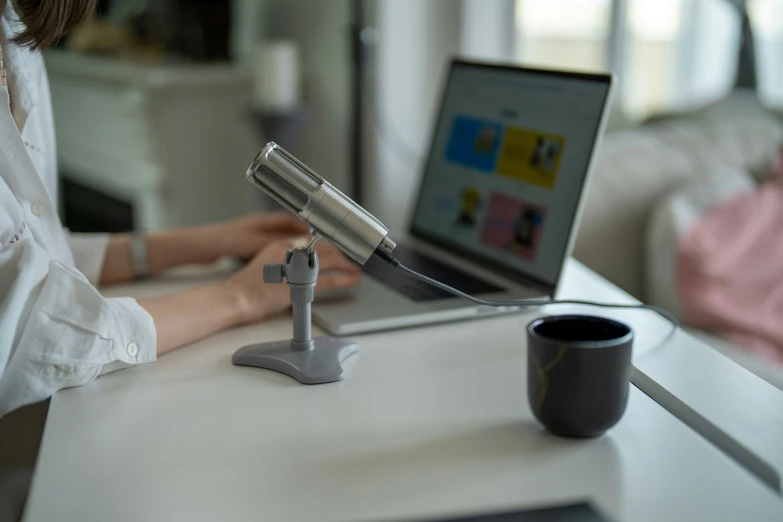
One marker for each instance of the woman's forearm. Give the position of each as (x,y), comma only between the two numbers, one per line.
(165,250)
(188,316)
(243,298)
(242,238)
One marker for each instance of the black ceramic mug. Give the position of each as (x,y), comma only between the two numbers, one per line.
(578,373)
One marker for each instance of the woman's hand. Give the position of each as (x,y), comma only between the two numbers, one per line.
(184,317)
(259,300)
(243,238)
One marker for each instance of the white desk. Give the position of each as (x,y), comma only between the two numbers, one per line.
(737,411)
(431,421)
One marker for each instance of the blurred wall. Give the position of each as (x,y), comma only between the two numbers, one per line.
(320,27)
(417,39)
(247,27)
(404,77)
(487,29)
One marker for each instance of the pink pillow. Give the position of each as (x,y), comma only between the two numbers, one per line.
(729,269)
(715,258)
(673,217)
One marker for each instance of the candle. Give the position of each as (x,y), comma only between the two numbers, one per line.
(276,77)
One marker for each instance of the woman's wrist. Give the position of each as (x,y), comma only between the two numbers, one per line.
(237,300)
(187,246)
(185,317)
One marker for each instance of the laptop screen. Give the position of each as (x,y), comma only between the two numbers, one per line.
(507,166)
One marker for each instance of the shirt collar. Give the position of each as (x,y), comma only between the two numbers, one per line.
(24,64)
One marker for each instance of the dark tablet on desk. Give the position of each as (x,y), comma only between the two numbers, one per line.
(570,513)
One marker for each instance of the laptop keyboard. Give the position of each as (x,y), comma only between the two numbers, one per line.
(419,290)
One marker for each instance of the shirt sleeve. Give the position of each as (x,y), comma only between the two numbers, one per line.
(56,329)
(89,252)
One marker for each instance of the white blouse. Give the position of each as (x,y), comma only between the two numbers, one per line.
(56,330)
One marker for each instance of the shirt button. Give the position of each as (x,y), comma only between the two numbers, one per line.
(38,208)
(132,349)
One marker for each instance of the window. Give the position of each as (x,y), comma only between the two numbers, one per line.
(767,19)
(570,34)
(668,54)
(649,71)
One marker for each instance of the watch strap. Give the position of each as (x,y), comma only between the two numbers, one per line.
(138,247)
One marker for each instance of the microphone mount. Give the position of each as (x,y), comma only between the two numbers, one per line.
(308,360)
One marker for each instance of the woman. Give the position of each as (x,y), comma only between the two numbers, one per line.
(56,330)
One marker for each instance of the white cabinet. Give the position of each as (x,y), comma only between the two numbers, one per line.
(172,141)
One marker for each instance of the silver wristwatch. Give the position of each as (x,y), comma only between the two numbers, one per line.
(138,247)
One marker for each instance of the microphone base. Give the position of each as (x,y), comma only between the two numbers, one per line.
(317,365)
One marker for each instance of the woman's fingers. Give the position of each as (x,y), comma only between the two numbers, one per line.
(282,222)
(330,258)
(287,237)
(337,280)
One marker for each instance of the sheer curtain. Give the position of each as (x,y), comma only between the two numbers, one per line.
(667,54)
(571,34)
(766,17)
(417,39)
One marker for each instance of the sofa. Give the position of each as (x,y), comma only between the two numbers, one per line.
(637,165)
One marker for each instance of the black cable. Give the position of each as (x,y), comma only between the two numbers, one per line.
(520,302)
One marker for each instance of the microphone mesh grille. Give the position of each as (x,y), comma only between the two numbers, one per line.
(277,186)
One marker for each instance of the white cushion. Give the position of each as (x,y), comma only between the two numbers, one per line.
(634,168)
(673,216)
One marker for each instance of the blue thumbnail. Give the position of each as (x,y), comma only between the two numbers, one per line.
(474,143)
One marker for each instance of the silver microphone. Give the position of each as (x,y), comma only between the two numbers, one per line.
(329,212)
(352,229)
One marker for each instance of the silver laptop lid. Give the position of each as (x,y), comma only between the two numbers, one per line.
(508,165)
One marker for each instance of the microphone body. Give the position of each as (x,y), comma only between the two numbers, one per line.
(352,229)
(330,213)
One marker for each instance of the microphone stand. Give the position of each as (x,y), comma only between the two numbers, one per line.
(308,360)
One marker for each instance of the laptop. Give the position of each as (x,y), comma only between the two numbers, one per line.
(497,209)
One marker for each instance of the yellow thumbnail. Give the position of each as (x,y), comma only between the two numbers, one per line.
(531,156)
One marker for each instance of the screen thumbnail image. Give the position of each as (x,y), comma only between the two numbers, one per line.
(513,225)
(474,143)
(545,153)
(458,207)
(470,203)
(531,156)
